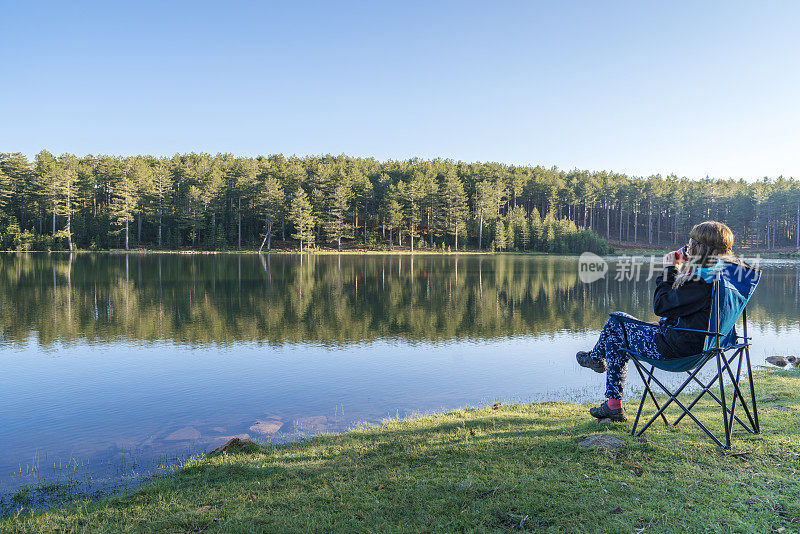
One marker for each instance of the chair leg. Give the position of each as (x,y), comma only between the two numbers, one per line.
(724,405)
(673,397)
(707,390)
(647,382)
(639,411)
(700,396)
(737,392)
(757,426)
(728,412)
(647,391)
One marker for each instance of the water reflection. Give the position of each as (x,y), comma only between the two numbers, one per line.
(323,299)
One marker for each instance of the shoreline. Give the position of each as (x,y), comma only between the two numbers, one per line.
(481,469)
(399,252)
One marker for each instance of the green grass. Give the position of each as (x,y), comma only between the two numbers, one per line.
(517,467)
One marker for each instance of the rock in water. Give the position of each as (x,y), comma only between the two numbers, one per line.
(780,361)
(316,424)
(769,397)
(266,427)
(234,443)
(602,441)
(185,433)
(216,441)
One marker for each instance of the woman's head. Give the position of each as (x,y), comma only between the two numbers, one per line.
(709,240)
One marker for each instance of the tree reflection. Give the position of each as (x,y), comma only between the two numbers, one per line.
(325,299)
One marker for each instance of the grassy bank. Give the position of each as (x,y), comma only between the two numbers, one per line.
(515,467)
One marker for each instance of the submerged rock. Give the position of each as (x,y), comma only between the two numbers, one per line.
(780,361)
(316,423)
(267,427)
(602,441)
(768,397)
(185,433)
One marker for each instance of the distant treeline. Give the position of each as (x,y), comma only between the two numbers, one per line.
(225,202)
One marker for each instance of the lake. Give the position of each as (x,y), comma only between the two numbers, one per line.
(119,365)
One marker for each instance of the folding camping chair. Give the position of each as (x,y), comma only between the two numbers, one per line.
(733,285)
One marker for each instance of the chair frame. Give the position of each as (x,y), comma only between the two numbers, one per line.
(741,350)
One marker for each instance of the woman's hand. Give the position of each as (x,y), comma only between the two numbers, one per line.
(674,258)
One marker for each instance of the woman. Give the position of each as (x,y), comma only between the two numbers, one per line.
(681,295)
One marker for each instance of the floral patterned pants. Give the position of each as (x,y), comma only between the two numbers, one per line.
(641,339)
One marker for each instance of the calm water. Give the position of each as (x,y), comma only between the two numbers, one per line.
(113,365)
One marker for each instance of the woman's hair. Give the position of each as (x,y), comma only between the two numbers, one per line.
(711,240)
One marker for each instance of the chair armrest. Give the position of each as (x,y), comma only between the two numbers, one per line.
(623,319)
(706,332)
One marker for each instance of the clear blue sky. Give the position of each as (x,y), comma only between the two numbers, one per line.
(695,88)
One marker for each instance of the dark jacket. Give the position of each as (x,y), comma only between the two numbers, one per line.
(687,306)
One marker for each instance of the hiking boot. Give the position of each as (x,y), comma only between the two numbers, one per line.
(585,360)
(604,412)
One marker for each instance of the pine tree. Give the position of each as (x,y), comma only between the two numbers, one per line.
(454,200)
(337,203)
(68,165)
(535,223)
(516,226)
(302,218)
(241,177)
(500,235)
(483,206)
(158,194)
(16,195)
(271,200)
(361,194)
(123,196)
(46,187)
(411,194)
(394,217)
(6,193)
(429,198)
